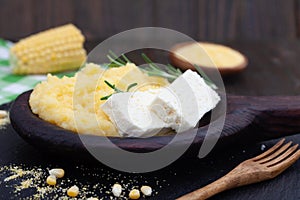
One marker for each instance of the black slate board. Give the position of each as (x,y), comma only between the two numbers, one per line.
(175,180)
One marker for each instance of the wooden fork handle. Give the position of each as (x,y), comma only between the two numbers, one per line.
(226,182)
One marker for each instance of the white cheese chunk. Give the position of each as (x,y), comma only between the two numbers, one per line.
(130,113)
(117,190)
(184,102)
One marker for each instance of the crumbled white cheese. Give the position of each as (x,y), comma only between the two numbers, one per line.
(131,114)
(117,190)
(146,190)
(57,172)
(179,106)
(185,101)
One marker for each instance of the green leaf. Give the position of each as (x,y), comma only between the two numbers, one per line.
(116,89)
(106,97)
(3,43)
(109,84)
(155,70)
(150,62)
(125,58)
(4,62)
(115,57)
(112,86)
(114,61)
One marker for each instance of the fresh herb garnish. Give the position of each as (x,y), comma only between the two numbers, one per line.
(207,80)
(125,58)
(154,70)
(106,97)
(117,90)
(170,72)
(112,86)
(115,61)
(131,86)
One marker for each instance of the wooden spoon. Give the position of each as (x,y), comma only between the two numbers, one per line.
(266,166)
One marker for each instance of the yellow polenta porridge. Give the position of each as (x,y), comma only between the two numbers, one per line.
(74,103)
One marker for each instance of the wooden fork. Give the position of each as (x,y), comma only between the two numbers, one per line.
(263,167)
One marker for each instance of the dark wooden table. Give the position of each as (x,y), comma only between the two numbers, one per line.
(273,70)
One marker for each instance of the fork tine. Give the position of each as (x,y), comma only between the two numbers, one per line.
(275,153)
(280,167)
(263,155)
(282,156)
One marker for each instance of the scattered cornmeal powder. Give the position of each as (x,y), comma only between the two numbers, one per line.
(33,181)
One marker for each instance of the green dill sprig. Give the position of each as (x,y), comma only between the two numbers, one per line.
(117,90)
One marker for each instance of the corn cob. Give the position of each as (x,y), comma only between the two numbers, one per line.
(55,50)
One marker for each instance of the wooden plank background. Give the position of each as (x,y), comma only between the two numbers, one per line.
(215,20)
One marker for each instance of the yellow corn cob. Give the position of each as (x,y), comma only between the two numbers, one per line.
(54,50)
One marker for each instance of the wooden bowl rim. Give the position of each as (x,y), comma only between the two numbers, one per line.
(184,64)
(49,136)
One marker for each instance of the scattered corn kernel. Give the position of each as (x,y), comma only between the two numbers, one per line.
(146,190)
(117,190)
(51,180)
(134,194)
(73,191)
(57,172)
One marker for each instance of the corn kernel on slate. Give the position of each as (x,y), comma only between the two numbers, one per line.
(134,194)
(146,190)
(57,172)
(73,191)
(51,180)
(55,50)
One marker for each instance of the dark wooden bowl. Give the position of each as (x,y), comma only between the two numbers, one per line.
(248,119)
